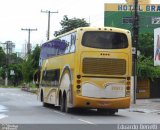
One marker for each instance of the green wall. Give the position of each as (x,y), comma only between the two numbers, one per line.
(114,18)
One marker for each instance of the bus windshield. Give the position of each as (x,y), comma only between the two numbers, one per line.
(104,40)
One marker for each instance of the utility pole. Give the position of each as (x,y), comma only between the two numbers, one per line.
(28,44)
(49,12)
(6,67)
(135,45)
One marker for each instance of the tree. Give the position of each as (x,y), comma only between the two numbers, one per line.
(145,64)
(146,68)
(14,64)
(31,64)
(17,77)
(2,57)
(146,44)
(35,56)
(70,24)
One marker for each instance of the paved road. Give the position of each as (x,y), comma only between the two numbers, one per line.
(19,107)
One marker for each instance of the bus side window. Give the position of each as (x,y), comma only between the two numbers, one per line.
(43,83)
(73,41)
(50,78)
(66,41)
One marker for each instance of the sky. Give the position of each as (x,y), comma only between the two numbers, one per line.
(17,14)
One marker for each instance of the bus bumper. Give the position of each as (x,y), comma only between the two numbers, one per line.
(117,103)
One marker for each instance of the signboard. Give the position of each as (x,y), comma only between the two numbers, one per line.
(157,47)
(133,50)
(155,20)
(12,72)
(130,7)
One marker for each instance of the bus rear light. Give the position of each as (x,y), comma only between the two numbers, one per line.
(78,76)
(128,88)
(78,86)
(128,83)
(128,78)
(127,93)
(78,81)
(78,91)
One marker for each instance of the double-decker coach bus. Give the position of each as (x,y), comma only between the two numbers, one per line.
(88,67)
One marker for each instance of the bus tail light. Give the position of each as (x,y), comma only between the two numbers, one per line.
(78,81)
(78,86)
(78,76)
(128,83)
(128,86)
(78,91)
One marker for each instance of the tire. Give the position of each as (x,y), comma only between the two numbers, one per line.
(65,96)
(67,109)
(62,105)
(42,100)
(45,104)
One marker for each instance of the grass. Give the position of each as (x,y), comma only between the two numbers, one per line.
(9,86)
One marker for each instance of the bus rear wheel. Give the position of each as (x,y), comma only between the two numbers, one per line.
(62,104)
(67,109)
(65,83)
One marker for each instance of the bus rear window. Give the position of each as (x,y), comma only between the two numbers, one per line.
(104,40)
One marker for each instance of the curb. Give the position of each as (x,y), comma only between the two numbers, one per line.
(29,90)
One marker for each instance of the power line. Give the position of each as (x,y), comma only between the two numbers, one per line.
(28,44)
(49,12)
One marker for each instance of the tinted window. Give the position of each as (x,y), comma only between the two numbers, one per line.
(50,77)
(63,45)
(104,40)
(73,42)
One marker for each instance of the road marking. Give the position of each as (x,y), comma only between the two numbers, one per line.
(88,122)
(3,116)
(59,112)
(2,109)
(144,110)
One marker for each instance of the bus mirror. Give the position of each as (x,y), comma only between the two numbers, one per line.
(36,78)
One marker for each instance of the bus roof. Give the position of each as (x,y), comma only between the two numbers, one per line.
(93,28)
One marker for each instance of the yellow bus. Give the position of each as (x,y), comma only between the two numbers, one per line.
(89,67)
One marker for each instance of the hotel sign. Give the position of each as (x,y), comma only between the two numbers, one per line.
(130,7)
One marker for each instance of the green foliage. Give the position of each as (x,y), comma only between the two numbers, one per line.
(27,70)
(23,69)
(70,24)
(14,63)
(30,64)
(146,44)
(2,57)
(17,78)
(145,63)
(13,59)
(2,72)
(146,68)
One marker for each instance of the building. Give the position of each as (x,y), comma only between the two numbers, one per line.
(121,15)
(8,47)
